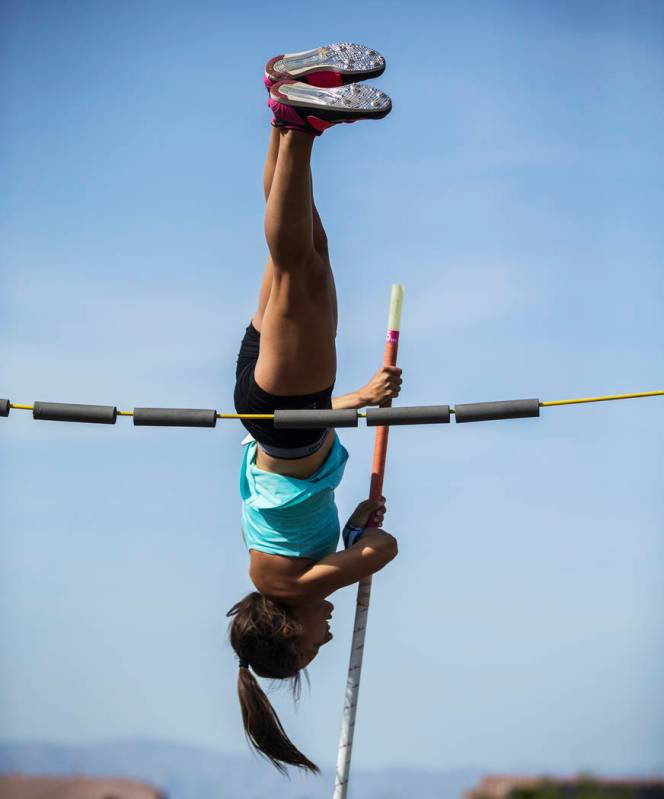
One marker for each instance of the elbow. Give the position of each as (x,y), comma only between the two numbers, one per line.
(377,549)
(391,547)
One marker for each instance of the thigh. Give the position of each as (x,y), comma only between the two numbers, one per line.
(297,352)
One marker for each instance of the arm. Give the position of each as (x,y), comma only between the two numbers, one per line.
(384,385)
(370,554)
(352,400)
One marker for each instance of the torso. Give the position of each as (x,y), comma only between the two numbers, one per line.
(274,575)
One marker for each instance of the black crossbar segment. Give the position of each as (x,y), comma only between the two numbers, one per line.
(315,418)
(174,417)
(417,414)
(70,412)
(491,411)
(4,407)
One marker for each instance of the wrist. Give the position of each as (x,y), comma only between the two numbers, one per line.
(351,534)
(350,525)
(348,401)
(362,397)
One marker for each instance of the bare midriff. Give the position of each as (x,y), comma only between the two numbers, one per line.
(298,467)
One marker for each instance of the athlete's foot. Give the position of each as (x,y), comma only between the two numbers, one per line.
(312,109)
(329,66)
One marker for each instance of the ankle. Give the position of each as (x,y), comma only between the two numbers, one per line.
(296,137)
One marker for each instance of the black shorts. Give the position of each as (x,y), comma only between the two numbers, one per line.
(250,398)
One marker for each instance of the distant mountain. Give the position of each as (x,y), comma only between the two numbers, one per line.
(185,772)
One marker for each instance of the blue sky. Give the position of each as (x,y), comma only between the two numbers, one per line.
(516,190)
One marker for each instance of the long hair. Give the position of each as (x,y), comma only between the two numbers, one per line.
(264,636)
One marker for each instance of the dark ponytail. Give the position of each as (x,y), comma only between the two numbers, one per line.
(263,635)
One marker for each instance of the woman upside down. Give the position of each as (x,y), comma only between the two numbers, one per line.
(287,360)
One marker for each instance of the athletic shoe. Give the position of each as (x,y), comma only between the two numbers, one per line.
(313,109)
(329,66)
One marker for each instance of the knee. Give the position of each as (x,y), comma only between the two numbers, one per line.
(318,276)
(292,253)
(305,267)
(320,243)
(319,270)
(307,278)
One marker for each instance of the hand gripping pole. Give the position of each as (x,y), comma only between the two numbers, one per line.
(364,587)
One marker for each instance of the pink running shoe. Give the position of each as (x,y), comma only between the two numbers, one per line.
(329,66)
(312,109)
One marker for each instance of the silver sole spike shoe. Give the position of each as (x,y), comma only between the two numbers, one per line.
(331,65)
(338,104)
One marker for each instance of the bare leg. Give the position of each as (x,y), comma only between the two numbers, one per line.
(320,237)
(320,245)
(298,326)
(268,177)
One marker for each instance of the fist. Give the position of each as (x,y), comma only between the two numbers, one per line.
(385,385)
(369,512)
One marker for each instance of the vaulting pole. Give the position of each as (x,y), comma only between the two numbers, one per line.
(364,587)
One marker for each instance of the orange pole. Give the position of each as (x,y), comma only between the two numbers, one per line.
(364,586)
(383,432)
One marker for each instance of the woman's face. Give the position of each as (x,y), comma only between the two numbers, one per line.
(315,628)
